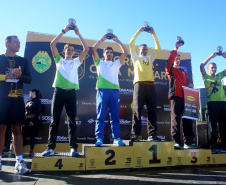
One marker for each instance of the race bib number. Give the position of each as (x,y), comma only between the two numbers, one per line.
(13,79)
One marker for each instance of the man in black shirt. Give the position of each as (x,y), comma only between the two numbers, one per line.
(14,71)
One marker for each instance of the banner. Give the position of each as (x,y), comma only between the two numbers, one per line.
(43,70)
(191,103)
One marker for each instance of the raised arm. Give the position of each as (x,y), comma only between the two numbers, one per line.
(124,49)
(84,44)
(173,55)
(157,45)
(132,43)
(224,55)
(96,45)
(202,66)
(56,39)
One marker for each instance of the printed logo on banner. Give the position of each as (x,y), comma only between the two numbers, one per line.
(161,83)
(160,122)
(81,138)
(41,61)
(126,91)
(46,118)
(166,122)
(36,138)
(167,107)
(46,101)
(91,138)
(87,103)
(62,138)
(190,98)
(126,80)
(123,106)
(91,120)
(77,121)
(124,122)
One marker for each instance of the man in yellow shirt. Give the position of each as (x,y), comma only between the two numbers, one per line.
(144,89)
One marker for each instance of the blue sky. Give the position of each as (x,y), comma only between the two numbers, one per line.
(201,23)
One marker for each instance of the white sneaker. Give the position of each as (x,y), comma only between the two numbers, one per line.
(118,142)
(74,152)
(21,167)
(48,152)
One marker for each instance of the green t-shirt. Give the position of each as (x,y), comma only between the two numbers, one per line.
(214,87)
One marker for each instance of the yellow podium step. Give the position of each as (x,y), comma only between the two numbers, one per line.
(109,157)
(192,157)
(218,158)
(153,154)
(58,162)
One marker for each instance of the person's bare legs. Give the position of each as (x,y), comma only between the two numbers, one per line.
(17,139)
(2,137)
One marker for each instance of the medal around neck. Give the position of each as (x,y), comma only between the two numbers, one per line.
(72,21)
(220,50)
(110,34)
(180,40)
(147,27)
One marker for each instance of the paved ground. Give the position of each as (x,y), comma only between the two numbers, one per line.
(157,176)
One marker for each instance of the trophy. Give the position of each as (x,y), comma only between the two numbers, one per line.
(72,21)
(110,34)
(219,49)
(180,40)
(147,27)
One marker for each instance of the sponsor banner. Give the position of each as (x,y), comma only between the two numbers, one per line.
(191,103)
(46,101)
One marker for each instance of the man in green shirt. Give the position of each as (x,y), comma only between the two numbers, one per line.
(108,90)
(216,103)
(65,85)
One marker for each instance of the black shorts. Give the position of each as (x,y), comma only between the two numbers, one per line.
(12,111)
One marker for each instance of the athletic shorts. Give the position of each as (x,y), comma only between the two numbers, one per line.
(12,111)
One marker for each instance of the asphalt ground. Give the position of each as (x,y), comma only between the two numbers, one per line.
(157,176)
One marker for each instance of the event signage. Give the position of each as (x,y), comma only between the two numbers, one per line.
(191,103)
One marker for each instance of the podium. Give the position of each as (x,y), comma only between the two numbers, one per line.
(58,162)
(144,154)
(153,154)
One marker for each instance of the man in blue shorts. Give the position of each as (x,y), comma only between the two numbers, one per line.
(14,71)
